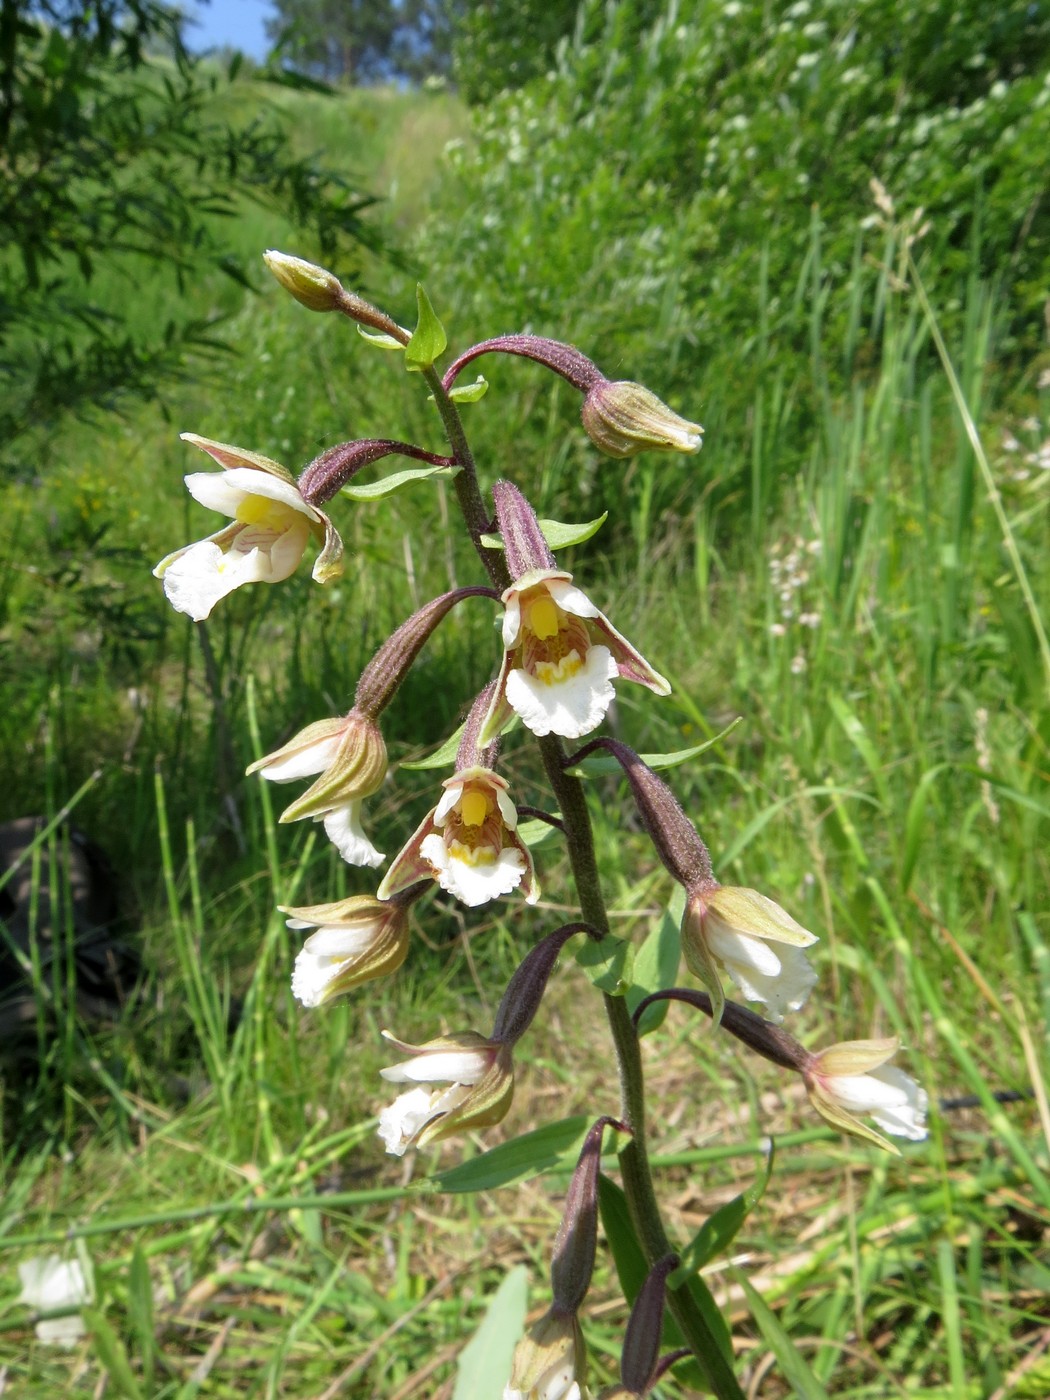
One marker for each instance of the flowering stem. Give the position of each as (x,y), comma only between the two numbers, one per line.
(576,822)
(466,481)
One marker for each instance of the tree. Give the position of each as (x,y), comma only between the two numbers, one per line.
(112,158)
(364,41)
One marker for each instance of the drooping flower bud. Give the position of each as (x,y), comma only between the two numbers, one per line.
(313,287)
(770,1041)
(521,1000)
(354,941)
(855,1077)
(758,943)
(320,290)
(641,1342)
(673,835)
(327,474)
(350,756)
(623,419)
(479,1074)
(572,1259)
(550,1361)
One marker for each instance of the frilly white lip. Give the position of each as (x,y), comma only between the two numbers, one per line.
(892,1098)
(558,679)
(776,974)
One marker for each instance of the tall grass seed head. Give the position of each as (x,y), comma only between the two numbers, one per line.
(623,419)
(757,942)
(354,940)
(272,525)
(478,1073)
(468,843)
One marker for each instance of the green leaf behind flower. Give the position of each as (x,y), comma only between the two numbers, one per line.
(598,765)
(557,534)
(375,490)
(484,1364)
(553,1147)
(428,339)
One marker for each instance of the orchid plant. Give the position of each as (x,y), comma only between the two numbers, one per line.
(560,661)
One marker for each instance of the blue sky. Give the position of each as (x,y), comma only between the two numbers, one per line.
(238,23)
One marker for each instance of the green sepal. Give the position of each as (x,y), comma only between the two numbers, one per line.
(656,964)
(554,1147)
(380,339)
(469,393)
(557,534)
(608,963)
(717,1233)
(600,765)
(428,339)
(375,490)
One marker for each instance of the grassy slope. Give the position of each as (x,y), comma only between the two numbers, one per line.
(885,784)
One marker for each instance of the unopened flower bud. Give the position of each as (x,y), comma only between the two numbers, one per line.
(641,1342)
(623,418)
(479,1075)
(550,1361)
(313,287)
(854,1077)
(354,941)
(572,1259)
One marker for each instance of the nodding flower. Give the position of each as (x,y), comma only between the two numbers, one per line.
(560,658)
(478,1073)
(354,940)
(350,755)
(468,843)
(855,1077)
(272,525)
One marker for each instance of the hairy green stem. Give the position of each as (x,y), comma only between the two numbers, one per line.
(468,492)
(572,803)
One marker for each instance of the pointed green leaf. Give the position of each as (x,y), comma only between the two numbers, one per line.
(469,393)
(656,964)
(608,963)
(375,490)
(627,1253)
(793,1364)
(380,339)
(441,757)
(719,1230)
(428,339)
(112,1355)
(535,832)
(483,1369)
(914,824)
(557,1145)
(140,1312)
(557,534)
(600,764)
